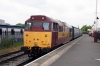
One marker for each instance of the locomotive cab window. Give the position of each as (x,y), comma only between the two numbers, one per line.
(37,24)
(28,25)
(46,25)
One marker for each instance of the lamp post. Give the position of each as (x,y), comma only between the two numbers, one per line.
(96,25)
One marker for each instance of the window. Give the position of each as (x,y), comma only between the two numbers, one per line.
(37,24)
(28,25)
(70,30)
(60,29)
(46,25)
(64,29)
(54,27)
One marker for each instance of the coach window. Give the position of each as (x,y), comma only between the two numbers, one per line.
(27,25)
(46,25)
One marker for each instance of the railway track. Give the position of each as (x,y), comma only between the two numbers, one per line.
(14,59)
(5,59)
(4,55)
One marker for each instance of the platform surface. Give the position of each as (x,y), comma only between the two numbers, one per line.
(84,53)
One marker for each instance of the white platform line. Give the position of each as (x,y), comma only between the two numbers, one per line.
(98,59)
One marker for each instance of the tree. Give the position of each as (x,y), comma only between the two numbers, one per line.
(85,28)
(20,24)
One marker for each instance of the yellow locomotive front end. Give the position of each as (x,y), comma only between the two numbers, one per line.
(37,39)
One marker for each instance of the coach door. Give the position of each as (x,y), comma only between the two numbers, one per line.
(55,33)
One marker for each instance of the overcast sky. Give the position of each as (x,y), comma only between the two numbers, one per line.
(73,12)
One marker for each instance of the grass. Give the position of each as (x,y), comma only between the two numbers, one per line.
(7,46)
(15,45)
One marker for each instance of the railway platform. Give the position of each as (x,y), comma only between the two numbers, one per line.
(82,52)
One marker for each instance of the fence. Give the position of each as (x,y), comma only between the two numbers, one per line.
(18,37)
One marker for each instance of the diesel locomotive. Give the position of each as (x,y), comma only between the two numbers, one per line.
(43,33)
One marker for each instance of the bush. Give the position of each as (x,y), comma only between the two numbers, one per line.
(7,42)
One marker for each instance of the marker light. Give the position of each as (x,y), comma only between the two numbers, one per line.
(42,17)
(32,17)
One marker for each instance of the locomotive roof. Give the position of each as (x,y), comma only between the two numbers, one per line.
(49,19)
(65,24)
(69,26)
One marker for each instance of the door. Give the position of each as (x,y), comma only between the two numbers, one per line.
(54,34)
